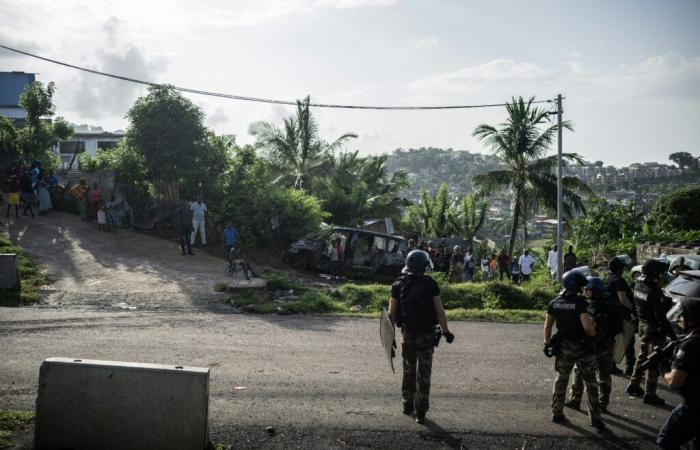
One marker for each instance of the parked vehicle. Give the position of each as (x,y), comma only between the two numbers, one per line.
(692,261)
(364,251)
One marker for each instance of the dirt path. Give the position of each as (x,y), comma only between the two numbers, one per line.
(121,269)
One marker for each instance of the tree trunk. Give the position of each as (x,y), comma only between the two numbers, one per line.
(172,193)
(514,226)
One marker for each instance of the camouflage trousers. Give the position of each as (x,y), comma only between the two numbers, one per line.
(649,336)
(417,353)
(604,362)
(582,355)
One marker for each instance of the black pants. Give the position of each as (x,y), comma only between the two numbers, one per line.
(502,272)
(680,427)
(185,234)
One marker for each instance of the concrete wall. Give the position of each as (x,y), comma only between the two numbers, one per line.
(110,405)
(654,249)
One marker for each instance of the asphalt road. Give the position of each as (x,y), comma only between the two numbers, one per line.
(321,382)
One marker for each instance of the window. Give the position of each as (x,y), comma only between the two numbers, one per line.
(70,147)
(101,145)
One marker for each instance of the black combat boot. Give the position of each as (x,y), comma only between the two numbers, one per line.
(420,417)
(597,424)
(635,390)
(408,408)
(561,418)
(574,404)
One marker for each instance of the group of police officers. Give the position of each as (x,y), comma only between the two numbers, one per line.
(588,313)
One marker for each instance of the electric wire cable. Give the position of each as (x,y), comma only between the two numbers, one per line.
(257,99)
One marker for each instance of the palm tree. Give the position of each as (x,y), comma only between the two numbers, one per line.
(522,143)
(296,150)
(471,217)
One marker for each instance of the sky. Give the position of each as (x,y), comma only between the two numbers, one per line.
(629,70)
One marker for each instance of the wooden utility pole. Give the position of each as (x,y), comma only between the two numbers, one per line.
(560,192)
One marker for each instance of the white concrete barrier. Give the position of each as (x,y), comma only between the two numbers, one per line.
(91,404)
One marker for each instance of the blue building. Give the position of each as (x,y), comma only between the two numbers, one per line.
(11,87)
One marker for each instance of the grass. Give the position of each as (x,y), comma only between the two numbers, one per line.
(32,278)
(491,301)
(10,422)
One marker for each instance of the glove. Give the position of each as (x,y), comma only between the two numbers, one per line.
(449,337)
(393,349)
(546,351)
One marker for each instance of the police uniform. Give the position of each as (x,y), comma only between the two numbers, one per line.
(576,349)
(651,307)
(417,319)
(615,283)
(683,424)
(608,323)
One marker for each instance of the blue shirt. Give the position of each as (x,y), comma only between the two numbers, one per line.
(230,236)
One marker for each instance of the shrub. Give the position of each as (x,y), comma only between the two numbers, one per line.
(277,282)
(678,211)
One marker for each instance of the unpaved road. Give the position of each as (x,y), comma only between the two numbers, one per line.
(321,382)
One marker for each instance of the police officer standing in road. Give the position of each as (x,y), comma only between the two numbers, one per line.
(575,328)
(652,307)
(618,288)
(608,322)
(682,425)
(415,306)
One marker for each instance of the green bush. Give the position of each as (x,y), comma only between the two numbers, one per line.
(678,211)
(277,282)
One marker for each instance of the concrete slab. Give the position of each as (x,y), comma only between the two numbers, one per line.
(9,270)
(89,404)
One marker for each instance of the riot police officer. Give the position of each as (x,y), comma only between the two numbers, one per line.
(682,424)
(618,288)
(652,306)
(575,328)
(605,313)
(415,306)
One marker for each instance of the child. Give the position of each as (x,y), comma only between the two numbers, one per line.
(101,216)
(515,271)
(13,197)
(484,267)
(112,214)
(334,259)
(493,266)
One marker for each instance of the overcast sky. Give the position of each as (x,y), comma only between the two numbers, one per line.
(630,70)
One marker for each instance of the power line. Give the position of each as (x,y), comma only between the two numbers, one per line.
(254,99)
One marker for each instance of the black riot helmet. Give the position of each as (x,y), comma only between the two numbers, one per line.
(653,268)
(596,285)
(417,262)
(616,265)
(573,280)
(690,310)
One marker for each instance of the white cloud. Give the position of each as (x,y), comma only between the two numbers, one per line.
(425,42)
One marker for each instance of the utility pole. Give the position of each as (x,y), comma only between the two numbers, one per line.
(560,192)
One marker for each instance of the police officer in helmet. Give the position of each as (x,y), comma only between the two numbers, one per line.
(652,306)
(575,329)
(682,424)
(618,288)
(605,313)
(415,307)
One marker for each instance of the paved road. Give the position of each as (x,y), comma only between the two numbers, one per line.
(320,381)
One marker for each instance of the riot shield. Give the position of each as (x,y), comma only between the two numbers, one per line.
(387,335)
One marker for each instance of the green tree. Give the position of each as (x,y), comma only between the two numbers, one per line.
(522,143)
(167,129)
(356,188)
(471,216)
(8,136)
(297,152)
(677,211)
(684,160)
(40,132)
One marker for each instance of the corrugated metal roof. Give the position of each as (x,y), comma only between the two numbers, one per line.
(12,85)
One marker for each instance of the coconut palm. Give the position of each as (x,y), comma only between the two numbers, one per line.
(522,143)
(295,149)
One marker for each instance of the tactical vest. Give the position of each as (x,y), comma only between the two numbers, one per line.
(563,308)
(416,312)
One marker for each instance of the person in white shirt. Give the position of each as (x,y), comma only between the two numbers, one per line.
(485,267)
(199,211)
(526,263)
(553,262)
